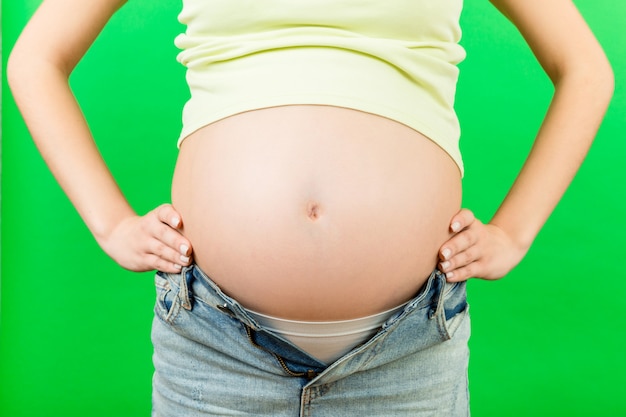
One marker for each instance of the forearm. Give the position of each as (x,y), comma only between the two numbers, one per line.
(138,243)
(490,251)
(38,72)
(61,134)
(578,106)
(583,81)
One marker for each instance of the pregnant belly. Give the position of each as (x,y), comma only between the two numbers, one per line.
(315,212)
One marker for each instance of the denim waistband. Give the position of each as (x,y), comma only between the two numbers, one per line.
(207,346)
(208,292)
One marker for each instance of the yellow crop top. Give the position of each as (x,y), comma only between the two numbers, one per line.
(394,58)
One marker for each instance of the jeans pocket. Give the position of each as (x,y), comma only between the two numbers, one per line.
(455,307)
(167,305)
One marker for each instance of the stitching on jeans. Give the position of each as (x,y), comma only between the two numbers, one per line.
(167,315)
(310,374)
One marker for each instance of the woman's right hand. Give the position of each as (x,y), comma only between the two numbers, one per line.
(38,72)
(148,242)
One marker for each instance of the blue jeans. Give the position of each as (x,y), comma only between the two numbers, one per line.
(212,359)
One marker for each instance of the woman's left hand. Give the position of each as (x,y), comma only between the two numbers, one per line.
(478,250)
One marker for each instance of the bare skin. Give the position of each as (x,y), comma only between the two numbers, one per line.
(40,65)
(315,212)
(46,53)
(583,83)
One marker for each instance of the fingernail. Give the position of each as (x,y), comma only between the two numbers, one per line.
(449,275)
(175,221)
(446,253)
(445,265)
(184,249)
(456,226)
(178,266)
(184,258)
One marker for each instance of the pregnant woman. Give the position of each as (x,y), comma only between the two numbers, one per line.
(319,185)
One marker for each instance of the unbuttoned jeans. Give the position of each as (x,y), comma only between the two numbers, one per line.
(212,359)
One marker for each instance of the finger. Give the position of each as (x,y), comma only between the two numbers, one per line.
(457,244)
(171,246)
(472,254)
(166,214)
(464,273)
(160,264)
(170,235)
(461,220)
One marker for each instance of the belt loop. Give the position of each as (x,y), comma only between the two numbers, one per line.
(185,283)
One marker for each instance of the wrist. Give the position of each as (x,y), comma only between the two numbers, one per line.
(520,235)
(102,227)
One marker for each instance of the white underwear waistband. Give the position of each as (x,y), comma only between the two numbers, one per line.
(327,341)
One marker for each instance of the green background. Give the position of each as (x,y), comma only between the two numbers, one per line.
(548,340)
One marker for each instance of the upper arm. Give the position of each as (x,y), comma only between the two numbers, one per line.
(557,34)
(60,32)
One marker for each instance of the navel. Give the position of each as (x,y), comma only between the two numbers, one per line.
(313,210)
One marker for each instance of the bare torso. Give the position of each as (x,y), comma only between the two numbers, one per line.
(315,212)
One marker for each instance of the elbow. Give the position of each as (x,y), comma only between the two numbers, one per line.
(28,71)
(14,70)
(598,74)
(608,80)
(21,76)
(601,81)
(22,70)
(593,77)
(598,83)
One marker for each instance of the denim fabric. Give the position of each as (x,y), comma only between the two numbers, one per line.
(212,359)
